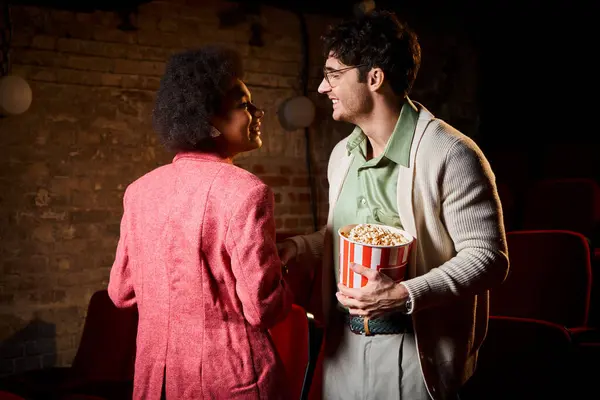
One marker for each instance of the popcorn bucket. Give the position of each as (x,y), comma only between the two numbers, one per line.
(389,260)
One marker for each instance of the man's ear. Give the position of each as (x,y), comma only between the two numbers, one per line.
(375,79)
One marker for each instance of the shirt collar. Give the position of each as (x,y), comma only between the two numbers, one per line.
(398,146)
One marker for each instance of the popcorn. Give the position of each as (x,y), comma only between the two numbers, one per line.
(375,235)
(378,247)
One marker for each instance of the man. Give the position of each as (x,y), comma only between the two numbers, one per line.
(401,166)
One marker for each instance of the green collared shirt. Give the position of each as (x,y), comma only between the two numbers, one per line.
(368,194)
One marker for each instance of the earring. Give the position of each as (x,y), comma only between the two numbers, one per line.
(214,132)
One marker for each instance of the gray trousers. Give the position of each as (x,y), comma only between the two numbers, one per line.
(378,367)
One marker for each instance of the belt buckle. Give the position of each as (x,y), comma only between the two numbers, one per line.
(365,331)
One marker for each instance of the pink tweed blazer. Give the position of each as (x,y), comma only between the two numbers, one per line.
(197,255)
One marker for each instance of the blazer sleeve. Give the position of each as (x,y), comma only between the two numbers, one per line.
(471,211)
(255,262)
(120,286)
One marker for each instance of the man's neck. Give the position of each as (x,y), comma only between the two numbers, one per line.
(379,125)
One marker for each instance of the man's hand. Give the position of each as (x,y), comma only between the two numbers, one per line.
(379,296)
(287,251)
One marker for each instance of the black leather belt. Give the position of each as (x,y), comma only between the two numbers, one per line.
(387,325)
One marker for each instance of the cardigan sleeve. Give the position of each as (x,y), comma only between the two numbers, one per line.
(120,286)
(255,262)
(471,212)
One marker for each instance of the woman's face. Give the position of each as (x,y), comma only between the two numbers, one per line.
(238,122)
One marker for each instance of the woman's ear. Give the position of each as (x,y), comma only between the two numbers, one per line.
(216,125)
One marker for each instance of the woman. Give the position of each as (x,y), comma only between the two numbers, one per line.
(197,252)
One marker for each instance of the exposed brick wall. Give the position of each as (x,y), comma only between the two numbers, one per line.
(66,162)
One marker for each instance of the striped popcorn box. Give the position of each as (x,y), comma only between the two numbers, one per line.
(389,260)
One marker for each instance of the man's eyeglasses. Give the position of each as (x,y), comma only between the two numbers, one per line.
(333,75)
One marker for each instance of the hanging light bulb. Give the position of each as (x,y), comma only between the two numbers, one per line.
(15,95)
(296,112)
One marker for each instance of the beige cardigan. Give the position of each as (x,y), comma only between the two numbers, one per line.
(447,199)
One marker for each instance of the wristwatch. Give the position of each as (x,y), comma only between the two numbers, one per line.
(407,307)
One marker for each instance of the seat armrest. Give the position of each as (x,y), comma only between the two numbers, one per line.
(581,335)
(315,337)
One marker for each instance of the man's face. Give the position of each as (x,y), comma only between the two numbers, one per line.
(350,97)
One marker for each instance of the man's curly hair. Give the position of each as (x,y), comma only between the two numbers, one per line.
(191,91)
(377,39)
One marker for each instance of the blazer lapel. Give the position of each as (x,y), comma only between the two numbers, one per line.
(404,193)
(337,179)
(328,287)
